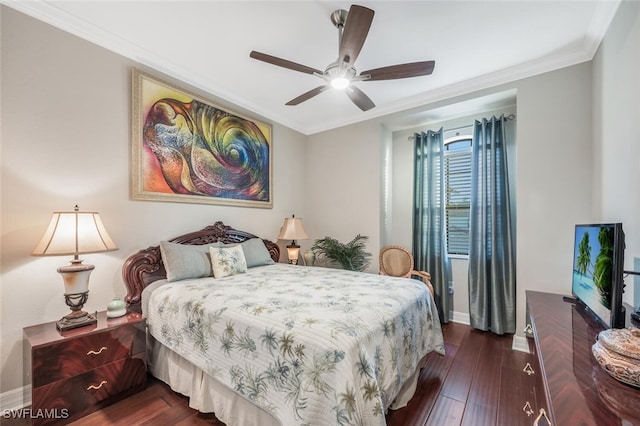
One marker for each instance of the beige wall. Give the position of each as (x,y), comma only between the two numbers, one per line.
(553,178)
(616,95)
(343,184)
(65,140)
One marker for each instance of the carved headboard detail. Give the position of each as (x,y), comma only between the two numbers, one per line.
(145,266)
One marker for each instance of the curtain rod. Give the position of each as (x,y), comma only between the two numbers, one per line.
(509,117)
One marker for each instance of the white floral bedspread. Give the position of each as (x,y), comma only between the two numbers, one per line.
(312,346)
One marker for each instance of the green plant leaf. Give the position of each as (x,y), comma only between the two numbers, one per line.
(351,256)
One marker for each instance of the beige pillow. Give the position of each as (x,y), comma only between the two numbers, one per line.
(226,261)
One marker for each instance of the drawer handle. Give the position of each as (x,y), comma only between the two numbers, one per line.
(527,369)
(527,409)
(540,416)
(104,348)
(104,382)
(528,329)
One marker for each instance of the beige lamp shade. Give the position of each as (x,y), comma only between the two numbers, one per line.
(73,233)
(292,229)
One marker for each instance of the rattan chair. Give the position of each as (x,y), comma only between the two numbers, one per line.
(397,261)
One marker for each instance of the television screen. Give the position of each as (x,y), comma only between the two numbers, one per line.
(597,271)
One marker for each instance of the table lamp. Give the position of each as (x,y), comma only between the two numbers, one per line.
(75,233)
(292,230)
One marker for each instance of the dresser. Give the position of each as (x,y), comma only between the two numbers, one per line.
(76,372)
(577,390)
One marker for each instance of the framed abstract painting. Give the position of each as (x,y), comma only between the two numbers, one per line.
(187,149)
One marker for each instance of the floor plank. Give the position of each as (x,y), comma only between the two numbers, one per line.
(113,414)
(485,387)
(446,411)
(458,382)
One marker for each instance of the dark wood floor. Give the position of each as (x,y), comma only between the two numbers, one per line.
(465,387)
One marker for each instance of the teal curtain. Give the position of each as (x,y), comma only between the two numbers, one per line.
(492,275)
(429,248)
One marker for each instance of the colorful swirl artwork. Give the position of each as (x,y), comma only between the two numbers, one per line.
(204,151)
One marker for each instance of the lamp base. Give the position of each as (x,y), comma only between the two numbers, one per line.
(293,252)
(76,285)
(70,321)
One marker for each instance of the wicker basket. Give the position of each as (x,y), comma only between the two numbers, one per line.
(618,352)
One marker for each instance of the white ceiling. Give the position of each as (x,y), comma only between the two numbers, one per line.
(476,44)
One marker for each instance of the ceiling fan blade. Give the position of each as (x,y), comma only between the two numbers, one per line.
(414,69)
(307,95)
(358,97)
(355,33)
(283,63)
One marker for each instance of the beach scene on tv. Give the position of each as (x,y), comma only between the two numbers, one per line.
(592,268)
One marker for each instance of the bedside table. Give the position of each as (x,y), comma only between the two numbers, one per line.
(75,372)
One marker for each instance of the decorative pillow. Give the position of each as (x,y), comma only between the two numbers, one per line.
(182,261)
(256,253)
(227,261)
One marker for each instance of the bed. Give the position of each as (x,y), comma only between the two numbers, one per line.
(266,343)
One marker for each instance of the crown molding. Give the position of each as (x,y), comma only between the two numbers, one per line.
(505,76)
(600,24)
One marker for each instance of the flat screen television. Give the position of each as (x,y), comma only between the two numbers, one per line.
(598,271)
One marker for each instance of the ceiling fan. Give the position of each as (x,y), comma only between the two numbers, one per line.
(353,27)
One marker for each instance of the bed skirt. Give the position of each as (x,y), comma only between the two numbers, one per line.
(208,395)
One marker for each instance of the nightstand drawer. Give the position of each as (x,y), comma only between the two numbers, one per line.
(76,372)
(86,392)
(78,355)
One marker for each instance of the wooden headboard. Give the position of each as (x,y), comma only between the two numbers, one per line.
(145,266)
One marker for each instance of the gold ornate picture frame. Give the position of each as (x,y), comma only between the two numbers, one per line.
(187,149)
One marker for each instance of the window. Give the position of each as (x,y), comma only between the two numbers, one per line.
(457,175)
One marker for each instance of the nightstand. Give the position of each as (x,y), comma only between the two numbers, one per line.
(76,372)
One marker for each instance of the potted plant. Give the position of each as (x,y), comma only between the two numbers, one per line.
(351,256)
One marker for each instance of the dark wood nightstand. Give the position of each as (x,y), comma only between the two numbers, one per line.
(76,372)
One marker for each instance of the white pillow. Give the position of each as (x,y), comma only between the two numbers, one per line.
(226,261)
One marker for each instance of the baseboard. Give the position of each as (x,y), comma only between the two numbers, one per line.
(14,399)
(520,343)
(460,317)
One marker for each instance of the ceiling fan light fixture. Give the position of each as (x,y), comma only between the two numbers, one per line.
(340,83)
(352,33)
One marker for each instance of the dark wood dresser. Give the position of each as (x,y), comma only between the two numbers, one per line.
(76,372)
(578,391)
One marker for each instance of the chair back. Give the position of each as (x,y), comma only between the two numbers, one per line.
(395,261)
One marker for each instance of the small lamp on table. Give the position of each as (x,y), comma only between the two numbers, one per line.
(293,230)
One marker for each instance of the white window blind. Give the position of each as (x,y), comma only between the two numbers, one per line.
(457,175)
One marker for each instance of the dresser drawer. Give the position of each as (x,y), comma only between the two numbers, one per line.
(517,406)
(64,359)
(84,393)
